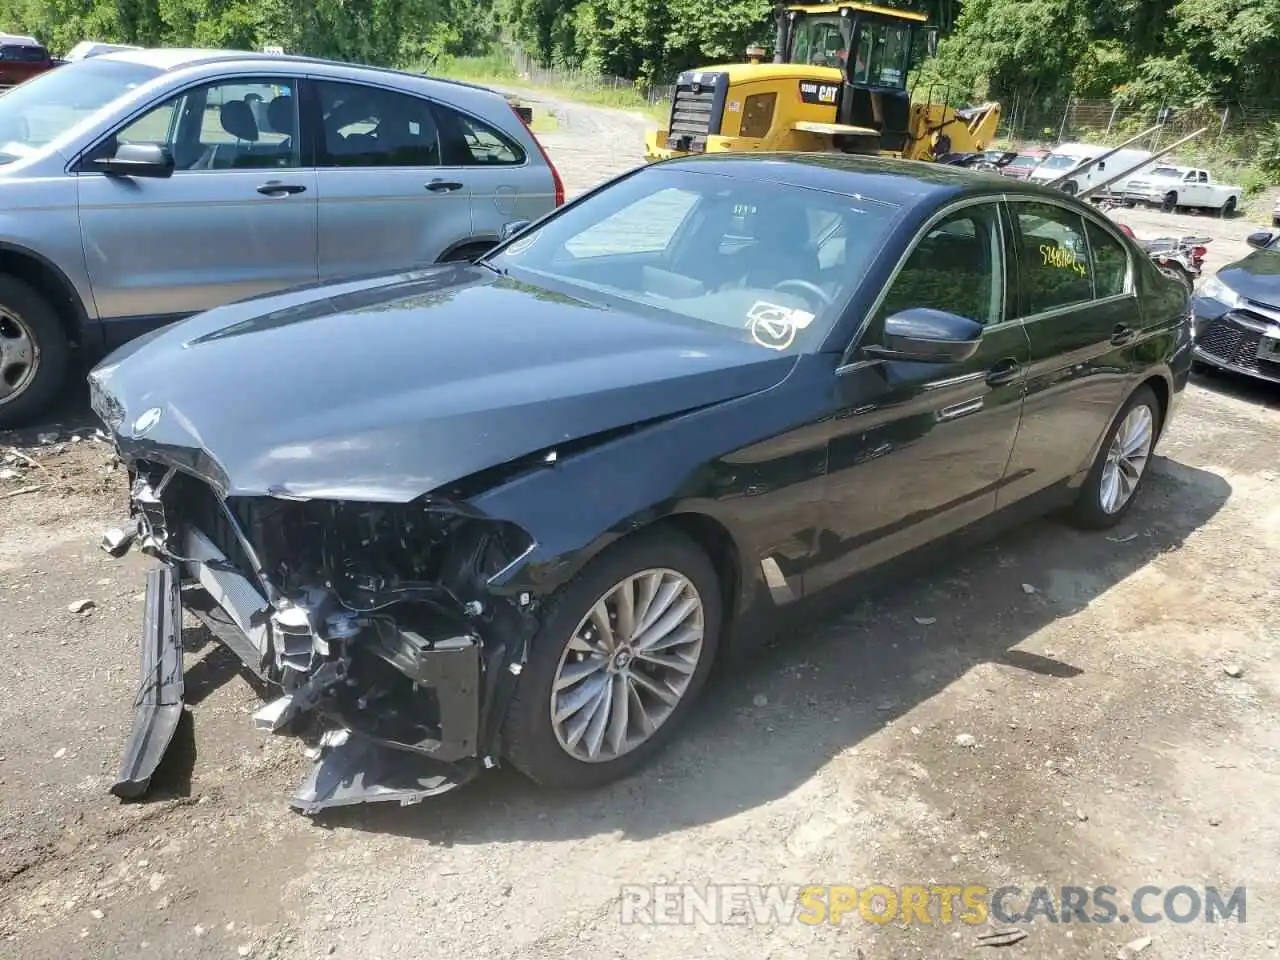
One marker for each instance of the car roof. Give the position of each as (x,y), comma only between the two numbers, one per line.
(176,58)
(898,182)
(15,40)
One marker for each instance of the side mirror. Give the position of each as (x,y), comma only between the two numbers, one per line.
(926,335)
(511,228)
(138,160)
(1260,240)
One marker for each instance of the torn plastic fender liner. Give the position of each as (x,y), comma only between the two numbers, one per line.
(158,704)
(358,770)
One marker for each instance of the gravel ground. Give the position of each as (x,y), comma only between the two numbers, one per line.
(1053,709)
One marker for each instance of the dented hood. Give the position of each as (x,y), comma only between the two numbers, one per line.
(388,388)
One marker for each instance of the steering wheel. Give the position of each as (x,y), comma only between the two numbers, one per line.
(807,287)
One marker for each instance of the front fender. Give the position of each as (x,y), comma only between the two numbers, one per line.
(754,465)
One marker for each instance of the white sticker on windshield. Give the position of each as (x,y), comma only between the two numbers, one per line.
(776,326)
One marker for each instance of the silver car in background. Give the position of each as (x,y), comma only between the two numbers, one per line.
(142,186)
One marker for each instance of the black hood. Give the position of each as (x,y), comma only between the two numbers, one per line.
(388,388)
(1256,277)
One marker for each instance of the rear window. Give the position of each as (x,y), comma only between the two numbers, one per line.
(23,53)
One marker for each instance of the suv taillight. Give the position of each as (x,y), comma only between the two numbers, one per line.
(555,174)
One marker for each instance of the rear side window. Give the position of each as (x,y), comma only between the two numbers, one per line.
(469,142)
(1056,268)
(371,127)
(1110,261)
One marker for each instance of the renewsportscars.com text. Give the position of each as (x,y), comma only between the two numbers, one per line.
(971,904)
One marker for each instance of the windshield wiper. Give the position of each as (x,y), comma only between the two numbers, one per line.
(500,271)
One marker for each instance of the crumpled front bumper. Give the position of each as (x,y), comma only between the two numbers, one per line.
(157,708)
(363,752)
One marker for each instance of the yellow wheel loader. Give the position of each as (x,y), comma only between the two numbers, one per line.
(837,83)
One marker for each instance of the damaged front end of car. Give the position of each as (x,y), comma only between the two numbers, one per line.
(385,626)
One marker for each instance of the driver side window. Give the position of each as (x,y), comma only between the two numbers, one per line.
(956,267)
(245,123)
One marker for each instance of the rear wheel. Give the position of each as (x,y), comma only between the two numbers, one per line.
(1170,202)
(1110,489)
(623,651)
(34,352)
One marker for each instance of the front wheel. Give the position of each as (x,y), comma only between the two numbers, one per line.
(1229,208)
(1112,485)
(623,651)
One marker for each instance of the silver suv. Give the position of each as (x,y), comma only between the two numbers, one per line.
(143,186)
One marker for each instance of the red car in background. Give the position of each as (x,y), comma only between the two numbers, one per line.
(21,58)
(1020,167)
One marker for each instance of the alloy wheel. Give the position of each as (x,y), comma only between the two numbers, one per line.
(628,665)
(1127,459)
(19,356)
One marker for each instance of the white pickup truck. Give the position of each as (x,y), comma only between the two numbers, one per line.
(1174,187)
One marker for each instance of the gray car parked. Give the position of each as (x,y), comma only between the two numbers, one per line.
(142,186)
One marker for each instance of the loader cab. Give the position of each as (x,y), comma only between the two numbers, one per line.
(874,47)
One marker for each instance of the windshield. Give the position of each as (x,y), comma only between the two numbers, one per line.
(1024,161)
(1166,172)
(42,109)
(761,262)
(1060,161)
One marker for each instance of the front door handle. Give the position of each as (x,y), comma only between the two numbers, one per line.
(1005,371)
(443,186)
(277,189)
(1122,334)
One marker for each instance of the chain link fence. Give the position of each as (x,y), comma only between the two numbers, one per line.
(1231,131)
(538,73)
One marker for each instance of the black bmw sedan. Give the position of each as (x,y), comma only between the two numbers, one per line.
(515,510)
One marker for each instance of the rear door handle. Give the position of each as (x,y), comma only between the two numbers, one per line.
(443,186)
(277,189)
(1122,335)
(1005,371)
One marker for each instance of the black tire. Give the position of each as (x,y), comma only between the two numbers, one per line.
(466,252)
(1170,202)
(530,741)
(1087,512)
(23,311)
(1229,208)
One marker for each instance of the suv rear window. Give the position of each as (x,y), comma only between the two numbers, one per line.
(23,53)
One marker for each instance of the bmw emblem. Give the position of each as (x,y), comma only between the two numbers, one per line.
(146,420)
